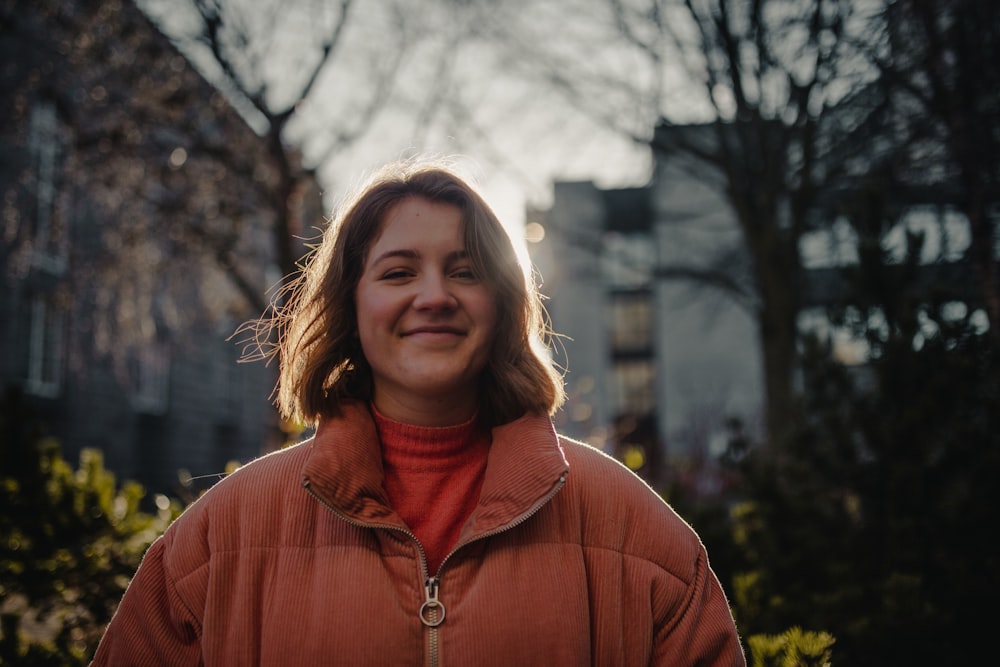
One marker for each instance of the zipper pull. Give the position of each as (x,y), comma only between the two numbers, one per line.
(431,611)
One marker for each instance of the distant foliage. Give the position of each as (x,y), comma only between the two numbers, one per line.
(873,520)
(792,648)
(70,540)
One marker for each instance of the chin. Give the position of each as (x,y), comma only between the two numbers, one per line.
(438,383)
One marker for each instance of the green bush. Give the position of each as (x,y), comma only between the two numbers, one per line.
(70,540)
(872,519)
(792,648)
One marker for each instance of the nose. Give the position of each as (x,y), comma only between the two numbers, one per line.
(433,294)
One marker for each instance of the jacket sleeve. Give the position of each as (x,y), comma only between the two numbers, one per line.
(702,631)
(152,625)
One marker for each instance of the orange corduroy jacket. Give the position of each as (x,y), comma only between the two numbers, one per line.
(296,559)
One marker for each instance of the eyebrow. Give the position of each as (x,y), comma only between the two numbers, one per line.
(405,253)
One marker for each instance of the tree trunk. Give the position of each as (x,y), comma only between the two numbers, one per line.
(777,325)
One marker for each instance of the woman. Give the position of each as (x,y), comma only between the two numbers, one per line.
(435,517)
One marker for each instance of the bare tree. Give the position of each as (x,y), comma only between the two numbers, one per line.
(277,60)
(943,71)
(751,86)
(184,208)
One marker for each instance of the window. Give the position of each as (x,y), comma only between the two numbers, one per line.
(151,378)
(628,260)
(45,348)
(227,387)
(631,322)
(634,387)
(46,143)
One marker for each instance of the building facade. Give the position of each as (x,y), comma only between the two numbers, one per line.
(113,319)
(656,368)
(652,291)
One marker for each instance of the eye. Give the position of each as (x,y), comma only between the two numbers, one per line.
(464,273)
(396,274)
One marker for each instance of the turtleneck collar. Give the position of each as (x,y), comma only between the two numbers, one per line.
(409,447)
(345,468)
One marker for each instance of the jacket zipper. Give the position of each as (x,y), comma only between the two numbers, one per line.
(432,614)
(432,607)
(432,611)
(433,583)
(518,520)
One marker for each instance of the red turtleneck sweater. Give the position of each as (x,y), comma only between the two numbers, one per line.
(433,476)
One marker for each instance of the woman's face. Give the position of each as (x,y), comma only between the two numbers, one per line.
(425,319)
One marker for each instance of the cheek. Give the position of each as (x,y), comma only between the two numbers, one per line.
(367,312)
(489,317)
(378,313)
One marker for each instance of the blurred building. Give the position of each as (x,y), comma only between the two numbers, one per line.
(656,367)
(103,124)
(664,363)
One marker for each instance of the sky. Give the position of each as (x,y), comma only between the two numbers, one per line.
(512,188)
(515,141)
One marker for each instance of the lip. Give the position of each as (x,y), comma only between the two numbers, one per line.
(434,330)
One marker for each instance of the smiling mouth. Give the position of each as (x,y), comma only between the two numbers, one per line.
(433,332)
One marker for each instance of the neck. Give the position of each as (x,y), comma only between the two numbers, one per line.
(426,410)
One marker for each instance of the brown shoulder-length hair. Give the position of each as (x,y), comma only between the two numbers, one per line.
(320,356)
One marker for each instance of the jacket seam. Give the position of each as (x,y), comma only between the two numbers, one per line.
(672,622)
(644,559)
(173,582)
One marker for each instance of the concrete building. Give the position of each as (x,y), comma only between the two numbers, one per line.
(89,87)
(661,364)
(655,367)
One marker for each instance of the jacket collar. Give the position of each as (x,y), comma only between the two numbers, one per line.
(344,469)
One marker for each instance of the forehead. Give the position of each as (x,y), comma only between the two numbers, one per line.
(416,222)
